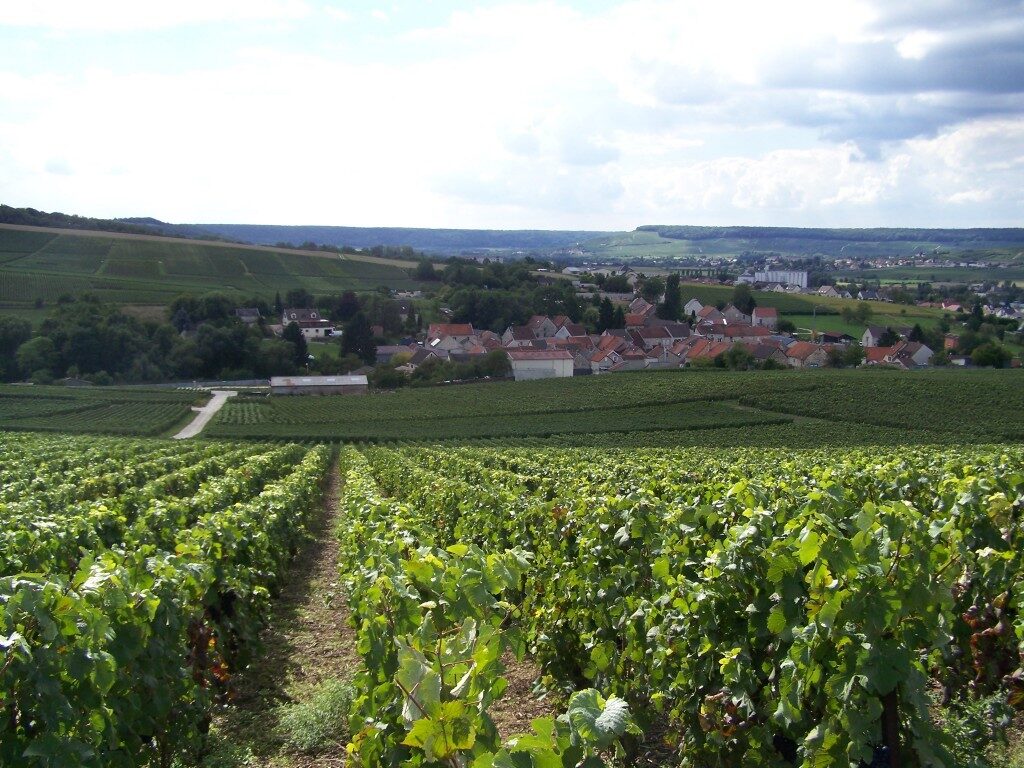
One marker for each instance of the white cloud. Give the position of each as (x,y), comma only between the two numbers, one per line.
(514,115)
(917,44)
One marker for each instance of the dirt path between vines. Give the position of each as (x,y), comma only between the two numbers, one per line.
(307,641)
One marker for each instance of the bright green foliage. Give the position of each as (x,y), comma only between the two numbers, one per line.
(765,602)
(433,622)
(132,577)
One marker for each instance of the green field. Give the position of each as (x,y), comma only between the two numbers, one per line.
(658,553)
(914,275)
(136,270)
(798,408)
(104,410)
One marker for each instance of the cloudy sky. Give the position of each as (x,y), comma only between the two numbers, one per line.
(598,115)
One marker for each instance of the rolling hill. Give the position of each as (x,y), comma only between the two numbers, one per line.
(128,268)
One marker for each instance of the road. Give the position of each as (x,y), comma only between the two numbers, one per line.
(204,414)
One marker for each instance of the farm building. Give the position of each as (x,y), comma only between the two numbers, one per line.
(318,385)
(309,320)
(540,363)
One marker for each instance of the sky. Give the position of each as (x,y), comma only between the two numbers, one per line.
(504,115)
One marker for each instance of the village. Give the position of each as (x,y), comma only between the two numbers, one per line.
(642,338)
(548,347)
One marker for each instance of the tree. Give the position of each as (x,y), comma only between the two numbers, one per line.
(786,326)
(916,333)
(181,320)
(990,354)
(357,339)
(425,270)
(617,284)
(605,315)
(299,297)
(38,355)
(278,304)
(672,307)
(853,355)
(862,312)
(13,333)
(888,338)
(619,318)
(743,299)
(293,333)
(736,358)
(652,288)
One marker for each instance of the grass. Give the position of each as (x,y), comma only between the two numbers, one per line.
(318,721)
(152,271)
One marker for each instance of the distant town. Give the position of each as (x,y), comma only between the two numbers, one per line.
(670,333)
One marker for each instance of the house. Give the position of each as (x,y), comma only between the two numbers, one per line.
(766,317)
(804,354)
(876,355)
(734,315)
(570,330)
(310,321)
(640,306)
(692,307)
(703,349)
(829,291)
(248,315)
(387,351)
(739,332)
(871,336)
(835,337)
(912,354)
(649,338)
(635,320)
(541,326)
(868,295)
(318,385)
(603,359)
(517,336)
(950,341)
(448,344)
(710,314)
(540,363)
(673,329)
(460,332)
(423,354)
(762,352)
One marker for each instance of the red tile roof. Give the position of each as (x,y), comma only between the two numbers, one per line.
(801,350)
(437,330)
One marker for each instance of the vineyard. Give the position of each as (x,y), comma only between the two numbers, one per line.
(799,409)
(134,576)
(107,410)
(750,607)
(709,606)
(140,270)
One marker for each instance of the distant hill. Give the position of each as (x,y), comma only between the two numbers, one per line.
(444,241)
(667,243)
(980,236)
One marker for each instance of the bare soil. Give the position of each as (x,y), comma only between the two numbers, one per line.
(519,706)
(308,640)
